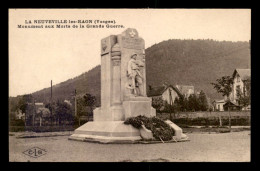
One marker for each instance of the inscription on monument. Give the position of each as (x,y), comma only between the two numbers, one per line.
(132,43)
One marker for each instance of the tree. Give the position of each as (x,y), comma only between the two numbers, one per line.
(63,112)
(177,104)
(203,102)
(193,104)
(223,85)
(90,101)
(247,84)
(157,103)
(81,108)
(170,108)
(244,99)
(23,102)
(180,103)
(25,105)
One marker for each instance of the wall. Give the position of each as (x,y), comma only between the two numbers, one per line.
(213,114)
(241,118)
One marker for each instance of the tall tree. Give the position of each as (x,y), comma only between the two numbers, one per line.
(244,98)
(90,101)
(193,103)
(223,85)
(81,108)
(203,102)
(63,112)
(157,103)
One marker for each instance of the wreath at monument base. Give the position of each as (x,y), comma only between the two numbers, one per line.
(160,129)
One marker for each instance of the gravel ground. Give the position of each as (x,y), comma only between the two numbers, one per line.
(225,147)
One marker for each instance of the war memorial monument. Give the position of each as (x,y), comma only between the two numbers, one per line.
(123,91)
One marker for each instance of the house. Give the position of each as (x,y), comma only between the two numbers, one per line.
(240,78)
(37,105)
(218,105)
(19,115)
(68,102)
(166,92)
(186,90)
(232,106)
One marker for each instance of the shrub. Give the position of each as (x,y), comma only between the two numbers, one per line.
(41,128)
(160,129)
(17,122)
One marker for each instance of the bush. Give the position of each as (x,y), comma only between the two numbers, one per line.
(17,122)
(16,129)
(41,128)
(160,129)
(211,121)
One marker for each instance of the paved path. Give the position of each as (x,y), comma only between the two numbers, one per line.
(233,146)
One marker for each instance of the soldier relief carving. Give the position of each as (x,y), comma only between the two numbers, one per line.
(135,76)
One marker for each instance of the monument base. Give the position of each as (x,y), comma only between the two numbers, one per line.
(131,107)
(118,132)
(106,132)
(135,106)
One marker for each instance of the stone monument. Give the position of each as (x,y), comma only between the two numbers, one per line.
(123,90)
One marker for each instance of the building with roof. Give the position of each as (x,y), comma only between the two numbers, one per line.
(240,77)
(68,102)
(218,105)
(186,90)
(19,114)
(166,92)
(232,106)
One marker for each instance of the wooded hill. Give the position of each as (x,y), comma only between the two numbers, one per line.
(187,62)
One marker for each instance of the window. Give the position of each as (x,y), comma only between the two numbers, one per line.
(238,79)
(238,90)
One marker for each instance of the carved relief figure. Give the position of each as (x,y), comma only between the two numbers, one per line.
(133,72)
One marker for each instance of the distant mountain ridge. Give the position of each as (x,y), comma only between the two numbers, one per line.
(187,62)
(195,62)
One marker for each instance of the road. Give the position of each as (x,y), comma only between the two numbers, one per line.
(202,147)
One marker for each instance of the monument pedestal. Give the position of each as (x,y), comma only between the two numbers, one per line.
(114,113)
(108,125)
(106,132)
(135,106)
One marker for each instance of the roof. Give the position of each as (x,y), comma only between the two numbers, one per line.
(243,73)
(158,91)
(39,104)
(230,104)
(184,89)
(219,101)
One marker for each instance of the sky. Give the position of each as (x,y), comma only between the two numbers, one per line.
(39,55)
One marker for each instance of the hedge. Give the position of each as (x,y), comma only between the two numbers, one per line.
(41,128)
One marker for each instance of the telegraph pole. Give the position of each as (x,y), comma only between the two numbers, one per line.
(51,103)
(34,111)
(75,102)
(170,94)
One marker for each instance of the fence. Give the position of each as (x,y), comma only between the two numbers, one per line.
(238,118)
